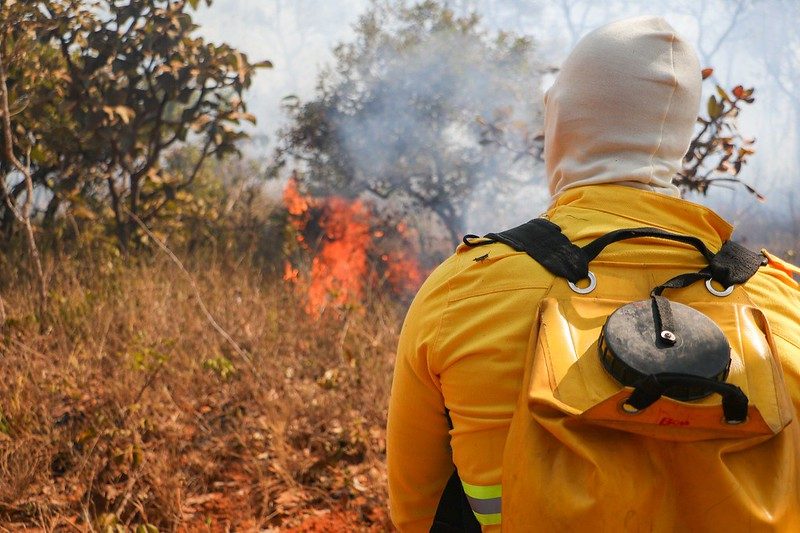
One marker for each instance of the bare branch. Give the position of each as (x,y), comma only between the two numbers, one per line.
(195,291)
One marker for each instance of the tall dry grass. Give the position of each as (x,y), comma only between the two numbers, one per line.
(130,410)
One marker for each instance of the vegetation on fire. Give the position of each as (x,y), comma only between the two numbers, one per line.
(180,348)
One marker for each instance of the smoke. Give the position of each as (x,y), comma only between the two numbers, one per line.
(429,111)
(746,42)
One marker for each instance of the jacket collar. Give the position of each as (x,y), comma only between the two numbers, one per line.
(645,208)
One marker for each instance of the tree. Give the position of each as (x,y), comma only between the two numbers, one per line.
(405,112)
(132,83)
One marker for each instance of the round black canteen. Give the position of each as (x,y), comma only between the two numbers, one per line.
(631,349)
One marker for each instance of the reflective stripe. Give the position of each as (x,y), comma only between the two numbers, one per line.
(483,492)
(487,519)
(486,502)
(490,506)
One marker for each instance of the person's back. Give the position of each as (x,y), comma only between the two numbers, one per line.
(462,352)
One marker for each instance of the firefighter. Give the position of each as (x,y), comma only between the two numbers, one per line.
(618,120)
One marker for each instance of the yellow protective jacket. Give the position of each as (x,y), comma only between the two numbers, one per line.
(463,348)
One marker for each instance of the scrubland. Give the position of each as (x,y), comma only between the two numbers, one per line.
(127,409)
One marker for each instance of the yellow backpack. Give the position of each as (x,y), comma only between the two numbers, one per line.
(657,415)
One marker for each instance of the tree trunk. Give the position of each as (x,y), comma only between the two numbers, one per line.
(7,218)
(120,222)
(451,222)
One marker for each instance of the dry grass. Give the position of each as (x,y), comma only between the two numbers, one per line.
(130,409)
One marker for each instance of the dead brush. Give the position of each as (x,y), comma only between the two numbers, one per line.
(132,412)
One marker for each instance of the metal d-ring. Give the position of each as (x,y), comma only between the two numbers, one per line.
(587,290)
(627,408)
(735,422)
(715,292)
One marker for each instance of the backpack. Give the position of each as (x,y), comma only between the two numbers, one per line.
(656,415)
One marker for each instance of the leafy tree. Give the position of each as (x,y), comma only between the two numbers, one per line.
(130,82)
(405,111)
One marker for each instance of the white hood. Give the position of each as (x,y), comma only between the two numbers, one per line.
(623,108)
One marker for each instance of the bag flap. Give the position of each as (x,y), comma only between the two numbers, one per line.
(567,374)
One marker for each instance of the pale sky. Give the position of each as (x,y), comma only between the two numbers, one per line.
(296,35)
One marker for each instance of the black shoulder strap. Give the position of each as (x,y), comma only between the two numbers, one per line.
(734,264)
(542,240)
(594,248)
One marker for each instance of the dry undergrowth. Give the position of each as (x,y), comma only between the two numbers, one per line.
(130,411)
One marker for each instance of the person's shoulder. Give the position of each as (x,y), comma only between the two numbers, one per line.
(778,279)
(775,290)
(782,269)
(485,268)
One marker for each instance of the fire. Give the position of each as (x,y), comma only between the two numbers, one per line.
(402,272)
(339,270)
(296,204)
(290,274)
(341,264)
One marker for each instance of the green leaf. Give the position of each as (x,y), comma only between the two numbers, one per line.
(5,427)
(125,113)
(81,212)
(714,108)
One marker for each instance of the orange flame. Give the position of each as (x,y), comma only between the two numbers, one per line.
(402,272)
(338,272)
(296,204)
(290,274)
(341,268)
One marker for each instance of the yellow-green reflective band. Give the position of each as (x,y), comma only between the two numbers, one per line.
(486,502)
(483,492)
(488,519)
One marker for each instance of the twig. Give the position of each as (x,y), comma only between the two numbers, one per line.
(196,292)
(27,348)
(127,497)
(343,336)
(147,383)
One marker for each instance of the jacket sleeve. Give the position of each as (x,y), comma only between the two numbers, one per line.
(418,443)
